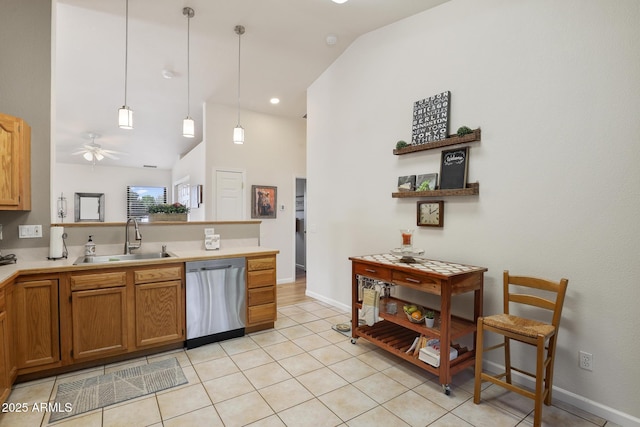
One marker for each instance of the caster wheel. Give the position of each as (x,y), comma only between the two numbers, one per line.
(353,340)
(446,389)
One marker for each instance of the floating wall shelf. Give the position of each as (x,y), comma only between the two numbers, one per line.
(472,189)
(451,140)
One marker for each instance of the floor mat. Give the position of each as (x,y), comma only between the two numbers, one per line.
(85,395)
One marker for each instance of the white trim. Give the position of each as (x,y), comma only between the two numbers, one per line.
(334,303)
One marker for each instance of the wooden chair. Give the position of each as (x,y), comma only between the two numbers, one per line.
(533,332)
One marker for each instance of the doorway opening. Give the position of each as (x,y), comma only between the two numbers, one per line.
(301,229)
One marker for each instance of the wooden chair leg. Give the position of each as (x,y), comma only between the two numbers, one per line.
(551,355)
(478,372)
(507,360)
(540,382)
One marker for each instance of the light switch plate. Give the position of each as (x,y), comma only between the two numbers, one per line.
(29,231)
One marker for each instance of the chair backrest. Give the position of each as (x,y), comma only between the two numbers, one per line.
(553,305)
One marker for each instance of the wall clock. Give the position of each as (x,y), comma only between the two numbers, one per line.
(431,214)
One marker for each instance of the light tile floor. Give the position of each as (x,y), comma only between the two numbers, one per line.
(302,373)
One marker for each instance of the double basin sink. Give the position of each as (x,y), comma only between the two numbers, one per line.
(103,259)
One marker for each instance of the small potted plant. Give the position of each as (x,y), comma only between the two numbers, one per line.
(429,318)
(168,212)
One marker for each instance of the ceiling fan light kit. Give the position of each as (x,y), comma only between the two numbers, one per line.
(93,152)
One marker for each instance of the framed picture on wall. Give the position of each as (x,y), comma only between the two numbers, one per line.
(264,200)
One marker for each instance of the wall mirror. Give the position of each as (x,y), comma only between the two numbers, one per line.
(89,207)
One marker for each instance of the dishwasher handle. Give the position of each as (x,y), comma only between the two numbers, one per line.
(211,268)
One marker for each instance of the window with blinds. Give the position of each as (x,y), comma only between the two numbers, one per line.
(139,198)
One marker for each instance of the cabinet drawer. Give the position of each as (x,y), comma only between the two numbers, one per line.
(373,271)
(257,279)
(98,280)
(262,313)
(261,296)
(416,281)
(264,263)
(158,274)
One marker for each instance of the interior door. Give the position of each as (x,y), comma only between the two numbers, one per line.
(229,187)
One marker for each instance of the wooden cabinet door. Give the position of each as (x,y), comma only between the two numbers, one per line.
(35,331)
(159,313)
(5,382)
(99,322)
(15,164)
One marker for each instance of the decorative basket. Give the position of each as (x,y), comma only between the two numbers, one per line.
(414,320)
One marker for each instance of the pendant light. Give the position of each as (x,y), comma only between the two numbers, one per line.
(238,131)
(125,114)
(188,125)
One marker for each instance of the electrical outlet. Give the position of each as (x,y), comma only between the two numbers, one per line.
(586,360)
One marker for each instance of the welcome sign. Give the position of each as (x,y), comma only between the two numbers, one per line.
(431,118)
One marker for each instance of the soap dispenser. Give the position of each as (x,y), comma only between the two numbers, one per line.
(90,247)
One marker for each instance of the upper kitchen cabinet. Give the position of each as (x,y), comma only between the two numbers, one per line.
(15,164)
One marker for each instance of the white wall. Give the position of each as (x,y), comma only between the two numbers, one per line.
(554,85)
(273,154)
(110,180)
(192,166)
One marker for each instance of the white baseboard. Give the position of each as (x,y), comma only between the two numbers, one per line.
(334,303)
(580,402)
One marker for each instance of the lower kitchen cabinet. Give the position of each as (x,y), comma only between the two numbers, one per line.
(35,330)
(99,322)
(261,293)
(159,313)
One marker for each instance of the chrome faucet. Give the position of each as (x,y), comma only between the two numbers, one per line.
(128,247)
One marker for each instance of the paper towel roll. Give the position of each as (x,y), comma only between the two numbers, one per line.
(56,242)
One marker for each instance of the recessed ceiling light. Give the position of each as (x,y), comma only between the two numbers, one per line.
(339,1)
(274,101)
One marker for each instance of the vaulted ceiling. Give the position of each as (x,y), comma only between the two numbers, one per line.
(284,49)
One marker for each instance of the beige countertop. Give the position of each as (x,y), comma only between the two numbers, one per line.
(11,271)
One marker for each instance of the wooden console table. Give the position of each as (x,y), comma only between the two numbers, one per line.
(395,333)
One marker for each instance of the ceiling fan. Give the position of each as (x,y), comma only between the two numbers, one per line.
(93,152)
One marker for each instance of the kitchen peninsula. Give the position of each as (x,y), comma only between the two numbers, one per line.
(56,316)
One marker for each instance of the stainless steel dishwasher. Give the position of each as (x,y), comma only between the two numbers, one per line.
(216,303)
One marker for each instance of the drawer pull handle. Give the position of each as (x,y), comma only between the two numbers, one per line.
(410,280)
(368,270)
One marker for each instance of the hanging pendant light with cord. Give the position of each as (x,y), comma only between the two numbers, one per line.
(238,131)
(188,125)
(125,114)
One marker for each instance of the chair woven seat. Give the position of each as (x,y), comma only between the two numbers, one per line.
(519,325)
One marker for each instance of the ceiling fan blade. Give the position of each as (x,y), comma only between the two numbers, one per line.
(109,155)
